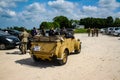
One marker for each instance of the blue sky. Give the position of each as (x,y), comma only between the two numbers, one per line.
(30,13)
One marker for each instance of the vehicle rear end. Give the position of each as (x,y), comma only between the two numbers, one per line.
(44,48)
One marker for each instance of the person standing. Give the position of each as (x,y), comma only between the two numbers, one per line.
(97,32)
(51,32)
(24,40)
(42,31)
(33,32)
(88,31)
(92,31)
(63,31)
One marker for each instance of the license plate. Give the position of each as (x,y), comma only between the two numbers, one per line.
(36,48)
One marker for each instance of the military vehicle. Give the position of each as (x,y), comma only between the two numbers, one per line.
(54,48)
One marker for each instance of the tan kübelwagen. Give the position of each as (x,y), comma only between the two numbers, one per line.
(55,48)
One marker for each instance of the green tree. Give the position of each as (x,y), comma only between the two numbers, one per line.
(97,22)
(44,24)
(48,25)
(56,25)
(63,21)
(109,21)
(88,22)
(117,22)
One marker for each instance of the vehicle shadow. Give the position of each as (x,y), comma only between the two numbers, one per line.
(40,64)
(15,52)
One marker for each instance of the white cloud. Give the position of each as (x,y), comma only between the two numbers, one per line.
(109,4)
(89,11)
(37,12)
(62,6)
(10,3)
(5,4)
(90,8)
(104,9)
(33,12)
(7,14)
(36,7)
(9,17)
(65,8)
(116,15)
(11,13)
(107,7)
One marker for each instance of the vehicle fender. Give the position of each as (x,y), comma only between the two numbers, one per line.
(77,44)
(61,51)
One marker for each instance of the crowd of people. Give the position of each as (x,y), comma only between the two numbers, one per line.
(51,32)
(25,36)
(93,32)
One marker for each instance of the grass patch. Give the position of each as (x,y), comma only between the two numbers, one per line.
(80,31)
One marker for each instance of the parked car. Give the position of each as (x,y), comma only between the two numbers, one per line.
(114,29)
(109,30)
(103,30)
(13,32)
(117,33)
(8,41)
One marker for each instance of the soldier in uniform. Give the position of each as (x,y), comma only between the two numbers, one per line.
(93,32)
(88,31)
(24,40)
(96,31)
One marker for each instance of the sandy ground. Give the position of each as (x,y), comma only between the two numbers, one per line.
(98,60)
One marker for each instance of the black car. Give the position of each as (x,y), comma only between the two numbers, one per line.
(8,41)
(13,32)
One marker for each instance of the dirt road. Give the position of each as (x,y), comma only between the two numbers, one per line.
(98,60)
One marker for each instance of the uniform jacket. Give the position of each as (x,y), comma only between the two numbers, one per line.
(25,36)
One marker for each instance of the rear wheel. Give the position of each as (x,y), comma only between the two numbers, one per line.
(35,58)
(2,46)
(64,60)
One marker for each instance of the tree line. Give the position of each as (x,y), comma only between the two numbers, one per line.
(63,21)
(100,22)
